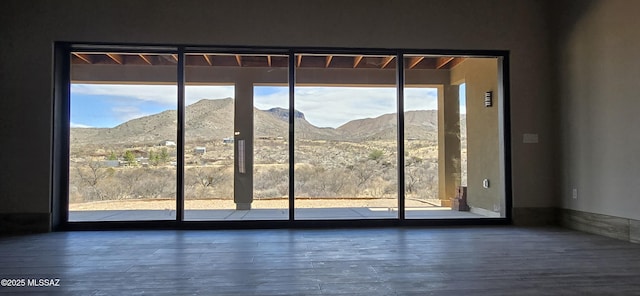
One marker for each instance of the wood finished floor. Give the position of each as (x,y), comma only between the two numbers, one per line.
(384,261)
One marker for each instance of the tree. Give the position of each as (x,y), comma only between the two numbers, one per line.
(112,156)
(153,158)
(376,155)
(210,181)
(129,157)
(92,177)
(164,155)
(363,172)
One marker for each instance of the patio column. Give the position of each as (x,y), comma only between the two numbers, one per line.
(243,145)
(448,143)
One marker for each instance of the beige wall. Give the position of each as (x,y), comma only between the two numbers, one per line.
(483,136)
(599,70)
(29,28)
(206,75)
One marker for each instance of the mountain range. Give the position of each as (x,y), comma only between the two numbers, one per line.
(210,119)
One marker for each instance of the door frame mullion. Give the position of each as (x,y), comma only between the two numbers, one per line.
(180,136)
(292,162)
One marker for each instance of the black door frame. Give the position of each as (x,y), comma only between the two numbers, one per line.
(60,139)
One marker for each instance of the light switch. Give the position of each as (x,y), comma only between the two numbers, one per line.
(530,138)
(488,99)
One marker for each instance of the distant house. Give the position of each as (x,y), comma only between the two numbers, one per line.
(168,143)
(111,163)
(143,160)
(200,150)
(227,140)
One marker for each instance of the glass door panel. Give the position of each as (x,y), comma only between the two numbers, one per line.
(421,150)
(122,164)
(235,148)
(271,150)
(454,168)
(345,137)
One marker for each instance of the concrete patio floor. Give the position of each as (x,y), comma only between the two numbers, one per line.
(271,214)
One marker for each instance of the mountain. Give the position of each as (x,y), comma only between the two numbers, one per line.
(204,119)
(213,119)
(283,113)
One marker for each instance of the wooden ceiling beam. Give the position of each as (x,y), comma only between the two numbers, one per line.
(328,61)
(357,60)
(116,58)
(414,61)
(85,57)
(386,61)
(299,60)
(443,61)
(145,59)
(175,57)
(239,60)
(455,62)
(269,60)
(207,59)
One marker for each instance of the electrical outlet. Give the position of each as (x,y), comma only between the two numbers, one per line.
(574,193)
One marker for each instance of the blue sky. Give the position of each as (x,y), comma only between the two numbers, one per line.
(107,105)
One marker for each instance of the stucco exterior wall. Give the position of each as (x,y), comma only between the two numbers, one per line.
(483,136)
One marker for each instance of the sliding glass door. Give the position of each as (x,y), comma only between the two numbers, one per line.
(192,134)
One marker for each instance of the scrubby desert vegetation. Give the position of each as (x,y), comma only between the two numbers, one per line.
(137,159)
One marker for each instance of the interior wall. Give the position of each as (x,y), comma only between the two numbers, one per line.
(483,137)
(30,28)
(597,48)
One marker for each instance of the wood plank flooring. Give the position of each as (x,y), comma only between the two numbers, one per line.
(382,261)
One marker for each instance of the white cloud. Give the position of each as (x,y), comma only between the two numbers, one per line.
(279,98)
(420,99)
(163,94)
(323,106)
(79,125)
(334,106)
(126,113)
(194,93)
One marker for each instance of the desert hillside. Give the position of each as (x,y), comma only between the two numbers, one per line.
(355,160)
(212,119)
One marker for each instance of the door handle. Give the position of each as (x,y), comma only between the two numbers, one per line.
(241,161)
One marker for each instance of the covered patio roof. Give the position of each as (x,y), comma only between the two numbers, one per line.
(243,60)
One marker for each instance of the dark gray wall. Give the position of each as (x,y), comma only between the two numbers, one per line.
(29,28)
